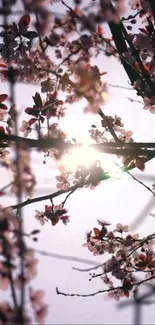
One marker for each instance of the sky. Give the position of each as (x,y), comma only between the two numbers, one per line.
(116,200)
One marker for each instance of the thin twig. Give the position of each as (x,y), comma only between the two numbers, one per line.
(5,187)
(65,257)
(67,196)
(121,87)
(131,16)
(99,291)
(135,101)
(137,180)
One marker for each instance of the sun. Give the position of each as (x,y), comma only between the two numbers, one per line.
(80,157)
(86,156)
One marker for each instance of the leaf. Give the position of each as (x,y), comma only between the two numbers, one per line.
(96,232)
(77,10)
(144,31)
(3,65)
(2,130)
(88,66)
(137,66)
(103,73)
(52,96)
(30,34)
(25,20)
(35,232)
(3,97)
(29,110)
(48,208)
(140,163)
(142,13)
(60,102)
(32,121)
(150,28)
(4,73)
(37,100)
(100,30)
(126,294)
(2,106)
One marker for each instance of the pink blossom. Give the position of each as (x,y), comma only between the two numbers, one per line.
(121,228)
(25,128)
(40,216)
(116,294)
(36,296)
(41,314)
(31,263)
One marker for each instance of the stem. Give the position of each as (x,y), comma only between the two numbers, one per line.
(100,291)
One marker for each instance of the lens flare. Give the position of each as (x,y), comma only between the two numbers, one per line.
(86,156)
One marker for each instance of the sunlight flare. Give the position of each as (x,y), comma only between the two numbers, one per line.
(86,156)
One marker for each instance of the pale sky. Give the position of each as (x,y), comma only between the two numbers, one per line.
(114,200)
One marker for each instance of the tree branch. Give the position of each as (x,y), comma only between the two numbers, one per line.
(100,291)
(65,257)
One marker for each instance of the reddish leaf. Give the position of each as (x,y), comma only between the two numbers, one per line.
(4,73)
(140,163)
(3,97)
(152,263)
(126,294)
(54,221)
(88,66)
(52,95)
(35,232)
(77,10)
(28,110)
(100,30)
(37,100)
(3,65)
(150,27)
(144,31)
(60,102)
(2,130)
(96,232)
(32,111)
(142,13)
(2,106)
(25,20)
(48,208)
(32,121)
(2,193)
(137,66)
(142,257)
(103,73)
(127,285)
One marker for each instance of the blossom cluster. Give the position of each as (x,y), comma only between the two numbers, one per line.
(57,53)
(102,135)
(54,213)
(87,176)
(129,254)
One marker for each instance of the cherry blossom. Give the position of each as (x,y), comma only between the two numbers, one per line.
(59,54)
(25,128)
(53,213)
